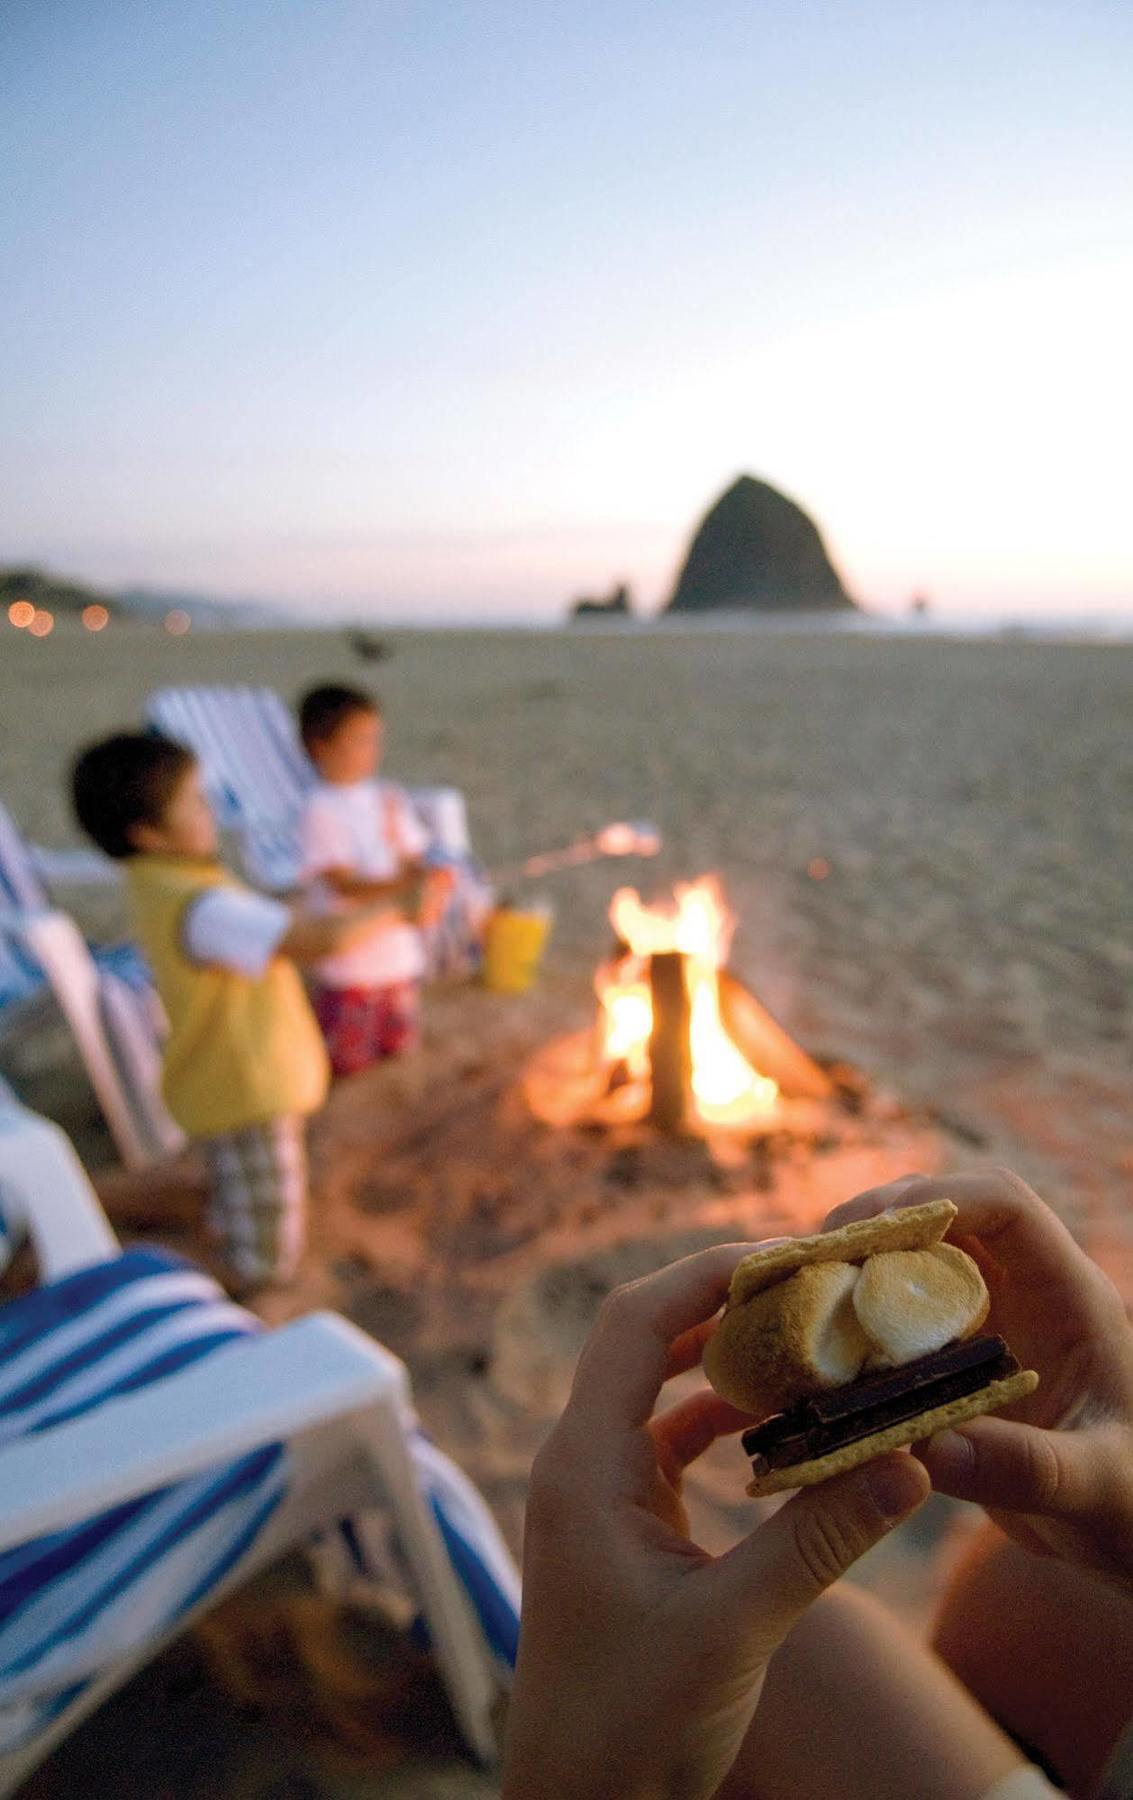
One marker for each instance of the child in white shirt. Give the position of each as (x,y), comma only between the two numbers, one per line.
(361,840)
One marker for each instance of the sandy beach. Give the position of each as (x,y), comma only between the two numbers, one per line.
(927,844)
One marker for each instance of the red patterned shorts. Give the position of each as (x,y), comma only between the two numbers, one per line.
(363,1025)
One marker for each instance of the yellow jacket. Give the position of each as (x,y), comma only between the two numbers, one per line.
(241,1049)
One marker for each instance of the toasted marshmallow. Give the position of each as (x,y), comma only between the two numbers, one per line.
(911,1302)
(798,1337)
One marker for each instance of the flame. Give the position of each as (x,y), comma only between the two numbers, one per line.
(697,922)
(629,1022)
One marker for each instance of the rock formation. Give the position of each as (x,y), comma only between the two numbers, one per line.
(756,551)
(617,605)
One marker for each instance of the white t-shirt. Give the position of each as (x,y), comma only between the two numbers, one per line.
(236,928)
(370,828)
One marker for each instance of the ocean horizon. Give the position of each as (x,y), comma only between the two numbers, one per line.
(1103,627)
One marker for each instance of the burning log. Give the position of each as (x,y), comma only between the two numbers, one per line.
(670,1053)
(765,1044)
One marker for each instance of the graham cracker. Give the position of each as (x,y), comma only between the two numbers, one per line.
(911,1228)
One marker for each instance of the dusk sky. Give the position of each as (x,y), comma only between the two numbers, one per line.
(455,309)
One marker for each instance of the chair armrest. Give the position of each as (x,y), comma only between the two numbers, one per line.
(75,867)
(259,1391)
(58,946)
(442,812)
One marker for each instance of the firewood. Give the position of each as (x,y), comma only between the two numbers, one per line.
(670,1051)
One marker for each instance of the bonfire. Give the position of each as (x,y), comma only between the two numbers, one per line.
(678,1041)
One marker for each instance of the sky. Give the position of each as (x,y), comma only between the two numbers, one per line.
(460,308)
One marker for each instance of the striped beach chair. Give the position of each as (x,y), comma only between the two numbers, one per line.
(257,776)
(103,991)
(158,1447)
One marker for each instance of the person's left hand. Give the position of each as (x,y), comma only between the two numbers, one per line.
(641,1656)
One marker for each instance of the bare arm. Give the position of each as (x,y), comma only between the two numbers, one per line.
(344,881)
(314,935)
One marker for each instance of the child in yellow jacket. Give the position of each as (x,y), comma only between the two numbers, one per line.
(244,1062)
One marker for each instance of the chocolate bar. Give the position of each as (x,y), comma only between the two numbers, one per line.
(825,1422)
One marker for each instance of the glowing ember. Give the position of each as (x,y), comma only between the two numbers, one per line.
(698,924)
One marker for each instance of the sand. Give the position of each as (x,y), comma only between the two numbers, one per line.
(927,845)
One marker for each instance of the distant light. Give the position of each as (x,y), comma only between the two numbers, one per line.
(20,614)
(818,868)
(95,617)
(178,623)
(42,624)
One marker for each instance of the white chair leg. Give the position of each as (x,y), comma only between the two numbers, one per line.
(58,945)
(457,1643)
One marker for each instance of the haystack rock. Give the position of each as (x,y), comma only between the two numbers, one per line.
(756,551)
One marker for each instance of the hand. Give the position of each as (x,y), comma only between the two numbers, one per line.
(436,887)
(641,1656)
(1058,1474)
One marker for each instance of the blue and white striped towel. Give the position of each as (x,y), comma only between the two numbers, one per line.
(12,1233)
(475,1548)
(73,1603)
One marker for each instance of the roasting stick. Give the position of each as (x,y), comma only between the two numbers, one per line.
(619,839)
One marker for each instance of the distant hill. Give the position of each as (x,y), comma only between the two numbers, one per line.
(154,603)
(50,592)
(60,595)
(756,551)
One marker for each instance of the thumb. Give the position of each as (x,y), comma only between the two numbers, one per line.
(1010,1467)
(775,1574)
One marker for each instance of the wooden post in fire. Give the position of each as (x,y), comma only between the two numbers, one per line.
(670,1048)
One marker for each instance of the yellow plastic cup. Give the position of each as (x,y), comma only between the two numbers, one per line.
(513,947)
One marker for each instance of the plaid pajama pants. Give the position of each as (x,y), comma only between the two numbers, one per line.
(257,1212)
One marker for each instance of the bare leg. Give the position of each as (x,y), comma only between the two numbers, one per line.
(854,1707)
(1046,1648)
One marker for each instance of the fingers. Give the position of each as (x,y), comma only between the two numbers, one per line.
(872,1201)
(640,1328)
(1015,1468)
(688,1429)
(990,1204)
(776,1573)
(686,1351)
(1010,1221)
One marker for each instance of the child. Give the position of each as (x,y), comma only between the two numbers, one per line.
(362,841)
(244,1062)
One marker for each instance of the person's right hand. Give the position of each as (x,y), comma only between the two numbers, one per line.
(1058,1474)
(437,886)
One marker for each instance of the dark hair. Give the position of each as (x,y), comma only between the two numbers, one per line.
(123,781)
(323,709)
